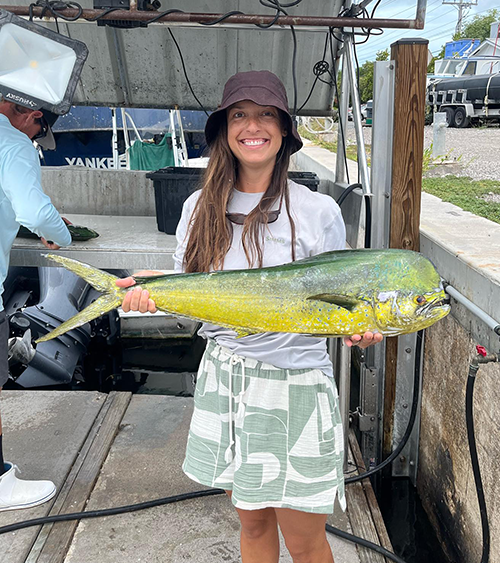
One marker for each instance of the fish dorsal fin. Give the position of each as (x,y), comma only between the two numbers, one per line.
(344,301)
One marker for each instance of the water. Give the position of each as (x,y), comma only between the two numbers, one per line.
(412,536)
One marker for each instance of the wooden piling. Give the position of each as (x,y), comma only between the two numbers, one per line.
(410,59)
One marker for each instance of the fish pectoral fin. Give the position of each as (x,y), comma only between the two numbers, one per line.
(241,332)
(344,301)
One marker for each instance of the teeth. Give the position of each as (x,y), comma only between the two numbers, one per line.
(254,143)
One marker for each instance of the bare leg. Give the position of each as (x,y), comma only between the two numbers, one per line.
(305,536)
(259,538)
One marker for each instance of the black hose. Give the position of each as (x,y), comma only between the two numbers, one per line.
(364,543)
(368,208)
(469,416)
(108,511)
(171,500)
(368,221)
(347,191)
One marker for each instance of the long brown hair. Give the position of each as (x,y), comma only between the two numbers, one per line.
(210,232)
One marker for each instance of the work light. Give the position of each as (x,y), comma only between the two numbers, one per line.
(39,68)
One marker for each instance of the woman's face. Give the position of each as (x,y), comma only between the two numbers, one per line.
(254,133)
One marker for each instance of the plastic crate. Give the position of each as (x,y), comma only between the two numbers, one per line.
(173,185)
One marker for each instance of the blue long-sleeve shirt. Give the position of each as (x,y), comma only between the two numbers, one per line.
(22,200)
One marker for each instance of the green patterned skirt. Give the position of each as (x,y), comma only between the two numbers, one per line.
(280,445)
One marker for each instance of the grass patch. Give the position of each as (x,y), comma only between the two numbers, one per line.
(468,194)
(351,150)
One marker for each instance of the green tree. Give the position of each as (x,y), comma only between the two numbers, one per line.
(479,27)
(366,75)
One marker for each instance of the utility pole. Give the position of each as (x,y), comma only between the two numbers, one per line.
(463,7)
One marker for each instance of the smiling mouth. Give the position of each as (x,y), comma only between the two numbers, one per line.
(254,142)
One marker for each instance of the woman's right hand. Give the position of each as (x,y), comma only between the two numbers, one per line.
(137,299)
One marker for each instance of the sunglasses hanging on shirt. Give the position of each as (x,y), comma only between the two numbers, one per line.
(239,218)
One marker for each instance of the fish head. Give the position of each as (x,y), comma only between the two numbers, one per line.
(404,311)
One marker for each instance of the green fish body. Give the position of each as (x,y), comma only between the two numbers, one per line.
(336,293)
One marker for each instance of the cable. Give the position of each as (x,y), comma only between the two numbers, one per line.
(342,133)
(471,437)
(294,71)
(222,18)
(411,421)
(316,74)
(185,72)
(280,9)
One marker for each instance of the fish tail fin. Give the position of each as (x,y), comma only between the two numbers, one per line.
(102,281)
(99,307)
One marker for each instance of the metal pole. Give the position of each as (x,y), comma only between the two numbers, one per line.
(175,148)
(125,136)
(474,309)
(381,161)
(356,115)
(341,358)
(114,140)
(381,178)
(182,138)
(439,135)
(206,18)
(340,167)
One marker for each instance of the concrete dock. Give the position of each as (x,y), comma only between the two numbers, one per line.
(105,451)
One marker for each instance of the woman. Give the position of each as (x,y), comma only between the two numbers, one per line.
(266,425)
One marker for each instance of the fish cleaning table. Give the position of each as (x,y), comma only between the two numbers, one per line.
(124,242)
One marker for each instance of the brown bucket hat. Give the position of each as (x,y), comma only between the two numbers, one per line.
(259,86)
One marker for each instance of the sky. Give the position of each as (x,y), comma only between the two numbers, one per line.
(440,23)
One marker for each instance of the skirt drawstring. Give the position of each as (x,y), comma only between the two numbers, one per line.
(233,360)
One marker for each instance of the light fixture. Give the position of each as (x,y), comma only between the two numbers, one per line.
(39,68)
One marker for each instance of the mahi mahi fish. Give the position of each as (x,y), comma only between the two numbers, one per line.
(337,293)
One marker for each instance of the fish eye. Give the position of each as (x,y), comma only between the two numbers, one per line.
(421,300)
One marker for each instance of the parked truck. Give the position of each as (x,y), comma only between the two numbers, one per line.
(466,99)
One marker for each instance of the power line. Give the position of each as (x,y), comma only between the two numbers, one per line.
(383,42)
(463,6)
(393,33)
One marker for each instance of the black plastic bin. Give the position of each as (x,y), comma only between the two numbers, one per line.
(173,185)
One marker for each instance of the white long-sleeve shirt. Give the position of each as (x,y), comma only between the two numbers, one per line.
(22,200)
(319,228)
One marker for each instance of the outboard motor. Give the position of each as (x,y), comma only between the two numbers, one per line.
(62,294)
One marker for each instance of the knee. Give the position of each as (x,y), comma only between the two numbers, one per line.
(307,550)
(258,528)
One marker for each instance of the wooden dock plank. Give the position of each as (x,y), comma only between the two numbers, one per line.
(53,541)
(364,514)
(370,495)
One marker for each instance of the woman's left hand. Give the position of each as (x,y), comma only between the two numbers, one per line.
(363,341)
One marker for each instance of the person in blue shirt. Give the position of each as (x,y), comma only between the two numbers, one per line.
(23,202)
